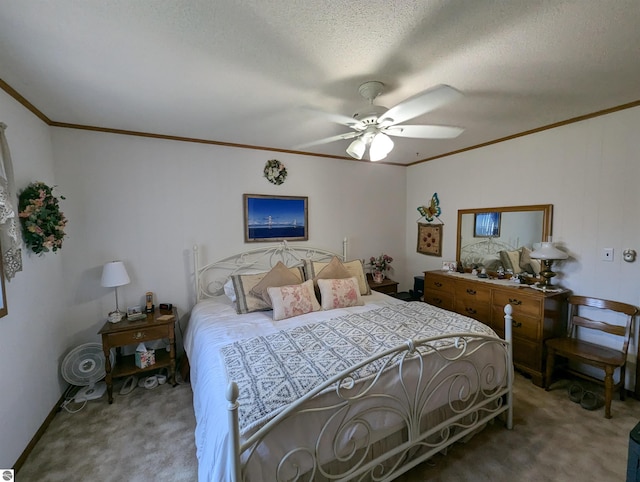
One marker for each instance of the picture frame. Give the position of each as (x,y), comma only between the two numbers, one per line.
(430,239)
(449,266)
(135,313)
(270,218)
(486,225)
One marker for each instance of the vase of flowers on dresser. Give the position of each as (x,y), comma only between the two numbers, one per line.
(379,267)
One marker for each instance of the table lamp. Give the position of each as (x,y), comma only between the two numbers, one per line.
(547,253)
(114,274)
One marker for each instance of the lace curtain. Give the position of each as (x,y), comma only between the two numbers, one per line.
(10,236)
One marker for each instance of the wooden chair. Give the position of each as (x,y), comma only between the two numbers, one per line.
(580,351)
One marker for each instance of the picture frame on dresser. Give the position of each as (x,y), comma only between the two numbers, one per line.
(275,218)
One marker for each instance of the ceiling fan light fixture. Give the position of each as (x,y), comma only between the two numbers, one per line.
(356,149)
(381,145)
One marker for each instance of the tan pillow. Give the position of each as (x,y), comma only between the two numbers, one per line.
(333,270)
(511,260)
(279,275)
(529,264)
(339,293)
(293,300)
(355,268)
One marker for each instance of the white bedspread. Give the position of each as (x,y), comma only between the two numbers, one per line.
(214,324)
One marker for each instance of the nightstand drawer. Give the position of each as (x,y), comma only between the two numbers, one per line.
(387,289)
(137,336)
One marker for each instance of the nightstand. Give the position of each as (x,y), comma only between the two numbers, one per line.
(388,286)
(156,326)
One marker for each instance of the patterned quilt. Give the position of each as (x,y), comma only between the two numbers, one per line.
(275,370)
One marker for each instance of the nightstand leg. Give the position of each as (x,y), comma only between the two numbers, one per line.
(172,357)
(107,367)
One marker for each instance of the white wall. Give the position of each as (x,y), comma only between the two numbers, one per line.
(148,201)
(34,331)
(589,171)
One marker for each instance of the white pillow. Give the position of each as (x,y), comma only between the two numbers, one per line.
(339,293)
(293,300)
(229,290)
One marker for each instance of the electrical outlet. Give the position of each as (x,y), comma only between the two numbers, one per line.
(607,254)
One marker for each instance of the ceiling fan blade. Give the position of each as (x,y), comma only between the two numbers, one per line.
(327,140)
(424,131)
(338,118)
(419,104)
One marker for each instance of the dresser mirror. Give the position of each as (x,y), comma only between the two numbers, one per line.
(484,232)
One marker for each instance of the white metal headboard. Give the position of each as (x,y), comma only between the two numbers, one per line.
(210,279)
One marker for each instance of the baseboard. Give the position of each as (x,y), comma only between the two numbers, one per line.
(47,421)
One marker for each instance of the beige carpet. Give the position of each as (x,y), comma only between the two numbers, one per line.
(148,435)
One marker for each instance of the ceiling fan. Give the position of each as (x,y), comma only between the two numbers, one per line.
(373,125)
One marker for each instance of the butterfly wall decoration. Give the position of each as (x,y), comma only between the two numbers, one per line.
(431,211)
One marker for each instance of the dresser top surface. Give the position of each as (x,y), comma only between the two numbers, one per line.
(498,283)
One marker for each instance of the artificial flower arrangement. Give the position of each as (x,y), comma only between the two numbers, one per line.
(275,172)
(381,263)
(42,221)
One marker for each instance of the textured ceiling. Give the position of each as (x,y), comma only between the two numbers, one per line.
(246,71)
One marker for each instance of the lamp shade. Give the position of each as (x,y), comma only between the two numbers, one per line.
(356,148)
(381,145)
(114,274)
(548,251)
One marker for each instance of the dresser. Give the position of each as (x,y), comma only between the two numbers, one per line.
(537,315)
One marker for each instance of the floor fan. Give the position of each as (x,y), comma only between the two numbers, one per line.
(84,366)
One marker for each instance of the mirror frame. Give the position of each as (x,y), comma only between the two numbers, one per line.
(547,219)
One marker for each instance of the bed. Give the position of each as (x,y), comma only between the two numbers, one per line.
(361,392)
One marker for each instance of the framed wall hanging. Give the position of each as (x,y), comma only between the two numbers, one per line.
(275,218)
(430,239)
(486,225)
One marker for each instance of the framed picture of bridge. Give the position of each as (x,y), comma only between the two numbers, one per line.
(275,218)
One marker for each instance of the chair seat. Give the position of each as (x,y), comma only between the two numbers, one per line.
(590,352)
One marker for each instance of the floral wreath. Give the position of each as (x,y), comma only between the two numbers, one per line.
(275,172)
(42,221)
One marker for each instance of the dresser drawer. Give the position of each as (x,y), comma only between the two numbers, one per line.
(137,336)
(522,326)
(438,282)
(472,309)
(521,304)
(473,292)
(441,299)
(525,353)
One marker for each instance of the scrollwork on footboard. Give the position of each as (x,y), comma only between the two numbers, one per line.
(415,400)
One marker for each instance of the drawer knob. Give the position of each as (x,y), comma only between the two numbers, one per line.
(470,291)
(471,311)
(138,335)
(438,301)
(516,324)
(438,284)
(515,301)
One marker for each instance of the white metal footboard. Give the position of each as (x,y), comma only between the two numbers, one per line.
(476,391)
